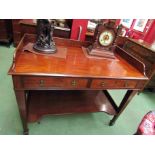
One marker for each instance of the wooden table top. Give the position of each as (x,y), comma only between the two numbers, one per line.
(76,64)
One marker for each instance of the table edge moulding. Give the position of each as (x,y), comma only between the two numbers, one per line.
(73,84)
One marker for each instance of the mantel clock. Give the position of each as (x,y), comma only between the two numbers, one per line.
(104,40)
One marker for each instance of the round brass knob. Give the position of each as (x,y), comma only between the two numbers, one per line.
(102,84)
(126,84)
(41,83)
(73,83)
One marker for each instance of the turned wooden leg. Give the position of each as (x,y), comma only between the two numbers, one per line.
(21,100)
(127,98)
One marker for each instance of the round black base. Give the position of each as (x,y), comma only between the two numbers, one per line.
(50,50)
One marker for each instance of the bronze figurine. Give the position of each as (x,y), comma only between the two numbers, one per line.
(44,42)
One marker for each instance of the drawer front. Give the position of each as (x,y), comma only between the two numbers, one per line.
(17,35)
(28,29)
(2,23)
(16,28)
(99,83)
(3,32)
(16,38)
(62,34)
(49,82)
(3,36)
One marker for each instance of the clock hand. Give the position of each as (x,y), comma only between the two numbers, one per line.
(104,41)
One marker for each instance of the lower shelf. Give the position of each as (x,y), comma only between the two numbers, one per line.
(64,102)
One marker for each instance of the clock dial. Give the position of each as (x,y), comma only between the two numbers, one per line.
(106,38)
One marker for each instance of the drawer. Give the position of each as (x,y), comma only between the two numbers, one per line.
(28,29)
(16,28)
(17,36)
(61,33)
(3,31)
(103,83)
(3,36)
(48,82)
(2,24)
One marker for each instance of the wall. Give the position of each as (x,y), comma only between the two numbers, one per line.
(150,36)
(75,28)
(147,35)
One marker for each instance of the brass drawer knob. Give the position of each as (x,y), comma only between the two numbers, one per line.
(126,84)
(102,84)
(73,83)
(41,83)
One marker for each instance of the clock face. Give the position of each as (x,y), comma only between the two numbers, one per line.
(106,38)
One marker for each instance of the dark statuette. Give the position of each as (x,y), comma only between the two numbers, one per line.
(44,42)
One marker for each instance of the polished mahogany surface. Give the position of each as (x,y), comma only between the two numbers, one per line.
(67,102)
(144,53)
(75,65)
(46,85)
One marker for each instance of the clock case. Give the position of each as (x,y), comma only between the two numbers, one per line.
(98,50)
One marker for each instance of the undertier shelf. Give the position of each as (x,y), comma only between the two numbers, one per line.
(42,103)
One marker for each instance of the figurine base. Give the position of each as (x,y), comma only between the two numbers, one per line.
(45,50)
(61,52)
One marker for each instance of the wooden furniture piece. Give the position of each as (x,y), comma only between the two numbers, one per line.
(23,26)
(16,31)
(142,51)
(151,84)
(89,36)
(5,31)
(50,85)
